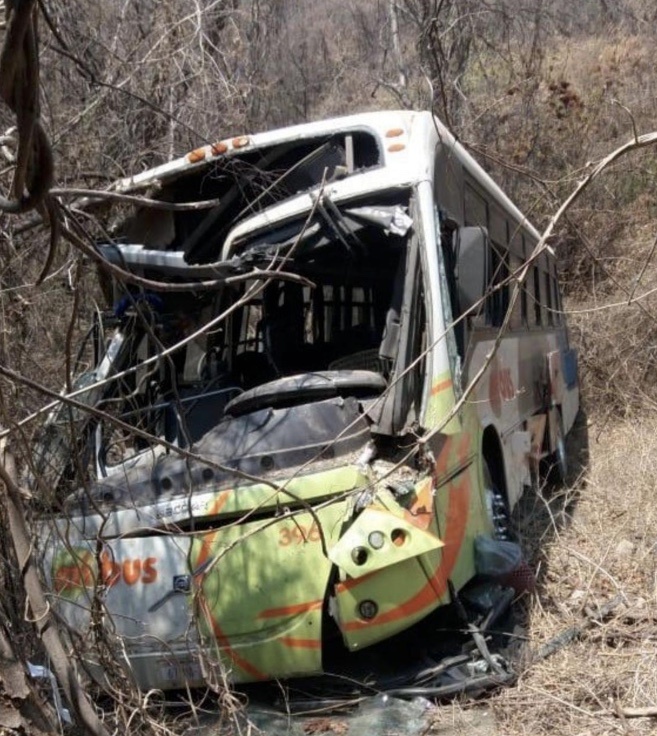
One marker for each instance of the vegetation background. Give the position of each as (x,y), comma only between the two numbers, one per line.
(538,90)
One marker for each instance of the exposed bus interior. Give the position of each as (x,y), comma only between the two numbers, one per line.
(315,340)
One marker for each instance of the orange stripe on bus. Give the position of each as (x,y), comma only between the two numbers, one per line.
(224,642)
(442,461)
(293,641)
(441,386)
(290,610)
(218,504)
(208,540)
(350,583)
(463,450)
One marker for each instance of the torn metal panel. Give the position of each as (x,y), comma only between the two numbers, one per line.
(377,539)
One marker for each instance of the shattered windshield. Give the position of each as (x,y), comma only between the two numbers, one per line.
(324,322)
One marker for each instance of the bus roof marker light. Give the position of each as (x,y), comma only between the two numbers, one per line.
(241,141)
(394,132)
(198,154)
(218,148)
(396,147)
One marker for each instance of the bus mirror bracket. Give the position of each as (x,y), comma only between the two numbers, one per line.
(472,265)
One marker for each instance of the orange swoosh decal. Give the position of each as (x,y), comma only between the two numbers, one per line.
(292,641)
(441,386)
(224,642)
(290,610)
(350,583)
(208,539)
(218,504)
(204,554)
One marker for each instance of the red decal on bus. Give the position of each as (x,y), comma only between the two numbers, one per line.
(128,571)
(500,388)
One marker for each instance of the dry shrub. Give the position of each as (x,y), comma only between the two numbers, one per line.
(619,66)
(605,243)
(617,357)
(612,314)
(575,102)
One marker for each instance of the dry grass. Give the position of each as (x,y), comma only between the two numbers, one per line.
(591,542)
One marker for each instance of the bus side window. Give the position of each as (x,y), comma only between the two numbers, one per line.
(476,215)
(537,294)
(476,209)
(517,246)
(548,297)
(498,298)
(524,298)
(519,315)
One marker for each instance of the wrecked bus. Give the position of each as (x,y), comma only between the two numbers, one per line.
(300,419)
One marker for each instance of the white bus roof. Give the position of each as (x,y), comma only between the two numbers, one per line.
(394,125)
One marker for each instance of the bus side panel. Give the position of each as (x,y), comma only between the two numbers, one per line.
(514,387)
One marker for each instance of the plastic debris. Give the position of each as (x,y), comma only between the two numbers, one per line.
(495,557)
(40,672)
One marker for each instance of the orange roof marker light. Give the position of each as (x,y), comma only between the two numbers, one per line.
(396,147)
(394,132)
(241,141)
(219,148)
(198,154)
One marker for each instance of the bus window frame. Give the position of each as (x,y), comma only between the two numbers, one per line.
(538,301)
(547,280)
(558,306)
